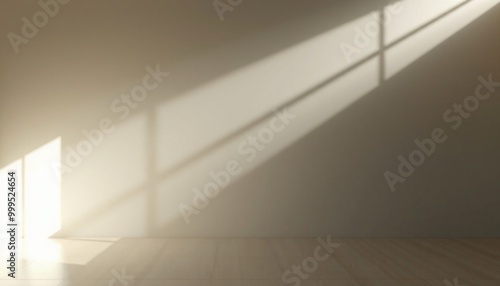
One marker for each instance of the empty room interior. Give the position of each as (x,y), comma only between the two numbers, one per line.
(250,143)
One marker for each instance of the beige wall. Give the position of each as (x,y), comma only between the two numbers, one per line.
(323,173)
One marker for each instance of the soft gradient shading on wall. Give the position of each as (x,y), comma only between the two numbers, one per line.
(323,174)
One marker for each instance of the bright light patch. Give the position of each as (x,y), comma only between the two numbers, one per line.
(42,191)
(67,251)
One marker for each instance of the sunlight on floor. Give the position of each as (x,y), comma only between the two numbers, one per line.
(67,251)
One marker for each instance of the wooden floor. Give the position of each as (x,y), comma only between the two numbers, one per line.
(259,262)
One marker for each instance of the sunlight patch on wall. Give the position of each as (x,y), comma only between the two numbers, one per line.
(416,14)
(110,182)
(250,92)
(42,191)
(416,46)
(314,110)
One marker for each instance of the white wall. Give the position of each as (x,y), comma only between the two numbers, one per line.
(322,174)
